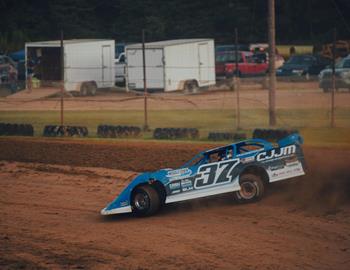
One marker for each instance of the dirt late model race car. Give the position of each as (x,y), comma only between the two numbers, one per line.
(244,169)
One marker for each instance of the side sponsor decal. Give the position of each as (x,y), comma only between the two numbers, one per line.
(179,174)
(186,185)
(276,153)
(215,174)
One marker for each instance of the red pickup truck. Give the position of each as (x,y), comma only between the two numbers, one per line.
(248,64)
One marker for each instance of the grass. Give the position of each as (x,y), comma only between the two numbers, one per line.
(313,123)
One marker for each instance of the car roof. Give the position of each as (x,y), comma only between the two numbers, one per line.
(220,148)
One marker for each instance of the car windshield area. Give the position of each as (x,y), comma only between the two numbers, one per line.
(228,57)
(260,57)
(301,60)
(219,154)
(215,155)
(196,161)
(344,63)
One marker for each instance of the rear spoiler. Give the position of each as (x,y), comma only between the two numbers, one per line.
(294,138)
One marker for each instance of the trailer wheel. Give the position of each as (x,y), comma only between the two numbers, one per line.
(84,89)
(252,189)
(191,86)
(145,201)
(92,88)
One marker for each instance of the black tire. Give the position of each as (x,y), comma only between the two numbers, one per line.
(92,89)
(191,86)
(84,89)
(252,189)
(145,201)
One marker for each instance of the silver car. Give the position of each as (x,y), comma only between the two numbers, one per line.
(342,76)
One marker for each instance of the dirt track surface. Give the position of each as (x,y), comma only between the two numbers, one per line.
(50,214)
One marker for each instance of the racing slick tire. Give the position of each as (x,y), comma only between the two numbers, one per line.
(252,189)
(145,201)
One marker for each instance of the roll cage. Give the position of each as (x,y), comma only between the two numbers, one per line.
(228,152)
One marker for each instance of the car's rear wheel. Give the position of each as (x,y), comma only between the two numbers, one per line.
(252,189)
(145,201)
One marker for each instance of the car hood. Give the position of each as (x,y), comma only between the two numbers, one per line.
(328,71)
(287,67)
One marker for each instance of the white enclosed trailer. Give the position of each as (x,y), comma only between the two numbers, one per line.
(183,64)
(88,63)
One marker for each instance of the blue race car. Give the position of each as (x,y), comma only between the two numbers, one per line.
(243,169)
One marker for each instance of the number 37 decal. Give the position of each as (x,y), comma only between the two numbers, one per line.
(215,174)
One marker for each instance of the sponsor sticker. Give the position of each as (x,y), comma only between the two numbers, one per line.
(175,185)
(124,203)
(186,185)
(179,173)
(276,167)
(291,164)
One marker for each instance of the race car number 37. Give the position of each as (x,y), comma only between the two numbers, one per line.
(215,174)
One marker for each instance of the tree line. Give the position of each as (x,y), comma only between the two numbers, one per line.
(297,21)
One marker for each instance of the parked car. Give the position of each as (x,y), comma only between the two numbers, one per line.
(342,76)
(264,57)
(6,65)
(120,69)
(232,47)
(303,66)
(248,64)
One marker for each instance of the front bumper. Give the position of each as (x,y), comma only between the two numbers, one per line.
(120,210)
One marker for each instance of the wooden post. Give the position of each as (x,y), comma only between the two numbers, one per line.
(62,80)
(236,81)
(272,68)
(145,125)
(333,77)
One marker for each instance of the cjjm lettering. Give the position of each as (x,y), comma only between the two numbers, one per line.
(275,153)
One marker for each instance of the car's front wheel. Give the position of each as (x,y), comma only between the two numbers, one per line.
(252,188)
(145,201)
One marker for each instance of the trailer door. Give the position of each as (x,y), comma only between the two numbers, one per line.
(106,70)
(154,69)
(203,63)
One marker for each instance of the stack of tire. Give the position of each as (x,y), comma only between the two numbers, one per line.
(65,131)
(226,136)
(108,131)
(272,134)
(175,133)
(16,129)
